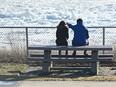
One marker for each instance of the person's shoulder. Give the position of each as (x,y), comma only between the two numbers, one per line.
(65,27)
(85,26)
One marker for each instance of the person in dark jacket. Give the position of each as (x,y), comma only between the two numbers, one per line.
(81,34)
(62,35)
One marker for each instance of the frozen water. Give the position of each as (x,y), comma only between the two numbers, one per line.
(40,13)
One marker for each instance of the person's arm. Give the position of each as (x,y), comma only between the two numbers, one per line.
(87,34)
(69,25)
(57,33)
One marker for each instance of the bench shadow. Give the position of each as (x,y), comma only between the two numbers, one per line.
(65,74)
(30,75)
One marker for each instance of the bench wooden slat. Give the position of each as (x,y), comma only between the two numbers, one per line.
(101,55)
(70,68)
(94,47)
(71,59)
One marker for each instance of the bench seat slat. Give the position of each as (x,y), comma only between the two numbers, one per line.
(101,55)
(53,47)
(70,68)
(71,59)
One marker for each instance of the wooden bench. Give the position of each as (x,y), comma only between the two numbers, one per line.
(47,57)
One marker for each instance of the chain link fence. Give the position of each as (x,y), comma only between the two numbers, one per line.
(47,36)
(12,44)
(14,40)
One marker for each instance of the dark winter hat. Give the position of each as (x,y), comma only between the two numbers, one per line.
(79,20)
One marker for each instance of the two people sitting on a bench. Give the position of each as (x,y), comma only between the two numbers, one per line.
(80,38)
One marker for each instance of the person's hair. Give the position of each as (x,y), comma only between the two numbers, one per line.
(79,20)
(62,23)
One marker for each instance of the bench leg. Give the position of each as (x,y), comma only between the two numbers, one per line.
(95,65)
(46,62)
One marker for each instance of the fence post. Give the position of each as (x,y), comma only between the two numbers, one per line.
(103,37)
(27,39)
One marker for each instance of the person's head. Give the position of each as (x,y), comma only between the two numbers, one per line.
(79,20)
(62,23)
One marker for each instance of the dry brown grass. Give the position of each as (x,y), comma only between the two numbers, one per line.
(11,71)
(10,68)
